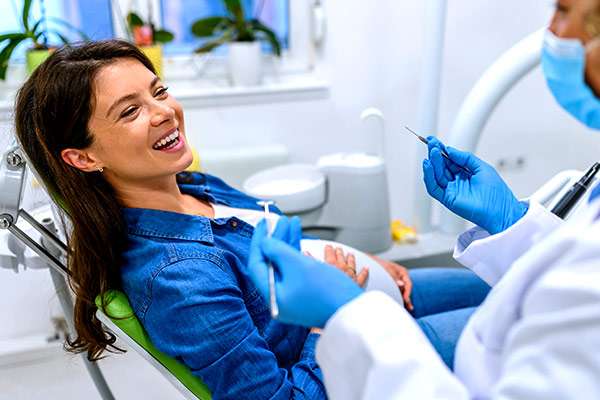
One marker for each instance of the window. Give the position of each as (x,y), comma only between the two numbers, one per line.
(178,16)
(93,17)
(101,19)
(290,19)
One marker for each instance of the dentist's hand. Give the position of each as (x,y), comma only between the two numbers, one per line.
(482,198)
(308,292)
(288,230)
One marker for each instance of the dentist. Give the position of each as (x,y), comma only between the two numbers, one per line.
(536,336)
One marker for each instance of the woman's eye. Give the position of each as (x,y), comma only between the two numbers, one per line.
(128,112)
(161,91)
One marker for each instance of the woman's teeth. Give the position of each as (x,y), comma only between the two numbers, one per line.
(167,141)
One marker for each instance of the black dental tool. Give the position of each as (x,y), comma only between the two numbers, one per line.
(572,197)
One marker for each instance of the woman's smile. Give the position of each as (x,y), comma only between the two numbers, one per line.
(171,142)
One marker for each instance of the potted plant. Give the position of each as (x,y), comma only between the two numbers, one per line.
(39,33)
(244,36)
(148,38)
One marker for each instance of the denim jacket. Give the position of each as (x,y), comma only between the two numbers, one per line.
(185,278)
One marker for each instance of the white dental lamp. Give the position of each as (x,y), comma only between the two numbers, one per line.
(50,248)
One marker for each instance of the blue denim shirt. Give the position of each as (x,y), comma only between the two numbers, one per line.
(185,278)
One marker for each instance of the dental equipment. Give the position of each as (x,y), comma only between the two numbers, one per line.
(272,294)
(444,154)
(343,198)
(572,197)
(477,108)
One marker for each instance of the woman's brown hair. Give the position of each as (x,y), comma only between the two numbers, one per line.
(52,112)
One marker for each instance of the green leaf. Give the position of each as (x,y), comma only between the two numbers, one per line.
(245,33)
(206,27)
(235,9)
(9,36)
(209,46)
(70,27)
(245,36)
(213,44)
(62,38)
(162,36)
(269,34)
(36,26)
(6,53)
(40,45)
(134,20)
(25,16)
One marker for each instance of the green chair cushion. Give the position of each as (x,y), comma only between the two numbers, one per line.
(118,309)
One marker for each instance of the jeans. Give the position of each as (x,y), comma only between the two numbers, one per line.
(444,299)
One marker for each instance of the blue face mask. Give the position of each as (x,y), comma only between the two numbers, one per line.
(563,63)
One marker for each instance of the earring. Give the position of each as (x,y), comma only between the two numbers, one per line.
(101,170)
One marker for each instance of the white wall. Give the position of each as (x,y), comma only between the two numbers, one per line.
(372,58)
(528,122)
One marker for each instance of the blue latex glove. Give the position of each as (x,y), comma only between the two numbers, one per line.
(309,292)
(482,198)
(288,230)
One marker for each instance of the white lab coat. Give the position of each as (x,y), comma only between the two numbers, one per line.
(536,336)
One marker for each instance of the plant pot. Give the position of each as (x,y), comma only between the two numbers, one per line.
(245,63)
(154,53)
(35,58)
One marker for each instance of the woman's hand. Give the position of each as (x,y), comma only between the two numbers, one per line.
(401,277)
(346,264)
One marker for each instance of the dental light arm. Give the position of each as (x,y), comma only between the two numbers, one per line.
(492,87)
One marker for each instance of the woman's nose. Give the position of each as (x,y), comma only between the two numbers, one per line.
(161,112)
(559,26)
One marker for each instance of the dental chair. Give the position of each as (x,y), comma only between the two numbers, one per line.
(117,314)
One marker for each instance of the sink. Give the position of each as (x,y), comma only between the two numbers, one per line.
(294,188)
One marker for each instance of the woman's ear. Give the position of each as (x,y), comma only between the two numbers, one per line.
(81,160)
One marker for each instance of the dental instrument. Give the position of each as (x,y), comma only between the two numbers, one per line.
(272,295)
(444,154)
(571,198)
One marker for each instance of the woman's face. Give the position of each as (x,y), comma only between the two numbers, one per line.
(569,22)
(137,127)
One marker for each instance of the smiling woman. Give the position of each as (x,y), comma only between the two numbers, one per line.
(68,107)
(109,141)
(136,117)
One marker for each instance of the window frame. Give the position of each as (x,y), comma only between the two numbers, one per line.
(296,75)
(296,59)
